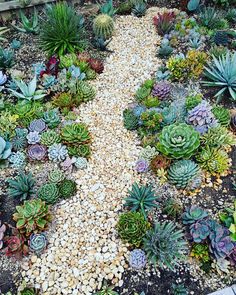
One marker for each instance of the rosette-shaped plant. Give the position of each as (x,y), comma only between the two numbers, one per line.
(51,118)
(82,150)
(103,26)
(222,115)
(137,259)
(57,152)
(50,137)
(63,101)
(161,90)
(56,175)
(132,227)
(165,245)
(37,152)
(75,133)
(5,149)
(17,160)
(15,245)
(96,65)
(37,125)
(85,92)
(148,153)
(151,121)
(201,252)
(81,163)
(32,216)
(178,141)
(19,143)
(159,162)
(131,121)
(141,166)
(49,192)
(193,214)
(37,243)
(200,230)
(67,188)
(33,137)
(182,172)
(202,118)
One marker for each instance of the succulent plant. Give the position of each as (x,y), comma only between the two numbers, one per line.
(37,243)
(141,198)
(5,149)
(192,101)
(28,25)
(22,186)
(164,22)
(148,153)
(131,121)
(137,259)
(49,192)
(141,166)
(233,121)
(17,160)
(221,38)
(159,162)
(33,137)
(201,252)
(50,137)
(106,290)
(28,291)
(85,92)
(15,245)
(103,26)
(193,214)
(51,118)
(172,208)
(91,74)
(57,152)
(179,289)
(48,81)
(56,176)
(151,120)
(19,143)
(2,232)
(6,58)
(165,49)
(75,133)
(165,245)
(222,115)
(182,172)
(200,230)
(132,227)
(67,188)
(32,216)
(3,78)
(36,152)
(139,8)
(15,44)
(178,140)
(96,65)
(161,90)
(81,163)
(37,125)
(63,101)
(142,93)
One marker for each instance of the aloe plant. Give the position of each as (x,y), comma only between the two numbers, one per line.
(29,25)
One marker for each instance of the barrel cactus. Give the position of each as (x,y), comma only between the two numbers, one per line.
(103,26)
(37,243)
(5,149)
(49,193)
(178,141)
(50,137)
(67,188)
(182,172)
(85,92)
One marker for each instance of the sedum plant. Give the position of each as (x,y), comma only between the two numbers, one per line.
(28,92)
(178,141)
(103,26)
(165,245)
(22,186)
(49,192)
(200,252)
(221,73)
(32,216)
(141,198)
(132,227)
(29,25)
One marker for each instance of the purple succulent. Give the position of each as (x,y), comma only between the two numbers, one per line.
(33,137)
(200,230)
(37,152)
(37,125)
(137,259)
(232,256)
(202,118)
(161,90)
(141,166)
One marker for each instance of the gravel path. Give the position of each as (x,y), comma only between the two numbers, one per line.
(84,247)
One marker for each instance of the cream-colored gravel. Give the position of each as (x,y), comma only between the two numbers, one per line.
(84,248)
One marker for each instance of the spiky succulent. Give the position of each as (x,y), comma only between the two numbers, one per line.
(182,172)
(85,92)
(139,8)
(28,291)
(37,243)
(132,227)
(161,90)
(165,245)
(37,125)
(178,140)
(81,163)
(50,137)
(49,192)
(51,118)
(131,121)
(164,22)
(33,137)
(202,118)
(36,152)
(19,143)
(221,38)
(137,259)
(22,186)
(5,149)
(67,188)
(57,152)
(96,65)
(141,198)
(193,214)
(172,208)
(17,160)
(32,216)
(103,26)
(192,101)
(222,115)
(76,133)
(200,230)
(56,175)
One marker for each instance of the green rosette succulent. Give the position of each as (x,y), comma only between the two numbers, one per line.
(79,150)
(56,176)
(85,92)
(182,172)
(51,118)
(75,133)
(50,137)
(178,141)
(67,188)
(222,115)
(132,227)
(28,291)
(49,192)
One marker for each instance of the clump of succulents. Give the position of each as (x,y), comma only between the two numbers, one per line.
(131,121)
(84,92)
(139,8)
(178,140)
(22,186)
(37,243)
(192,101)
(67,188)
(17,160)
(182,172)
(49,192)
(193,214)
(64,101)
(161,90)
(200,230)
(2,232)
(164,22)
(57,152)
(96,65)
(165,245)
(202,118)
(36,152)
(151,121)
(137,259)
(50,137)
(75,133)
(37,125)
(32,216)
(51,118)
(222,115)
(33,137)
(81,163)
(103,26)
(5,149)
(56,175)
(132,227)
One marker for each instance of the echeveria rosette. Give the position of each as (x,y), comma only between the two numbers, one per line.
(137,259)
(200,230)
(37,152)
(178,141)
(37,125)
(141,166)
(37,243)
(193,214)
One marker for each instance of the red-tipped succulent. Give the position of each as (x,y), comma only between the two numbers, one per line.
(51,67)
(96,65)
(164,22)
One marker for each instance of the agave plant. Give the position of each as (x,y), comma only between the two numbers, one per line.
(221,73)
(29,25)
(164,22)
(28,92)
(5,149)
(108,8)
